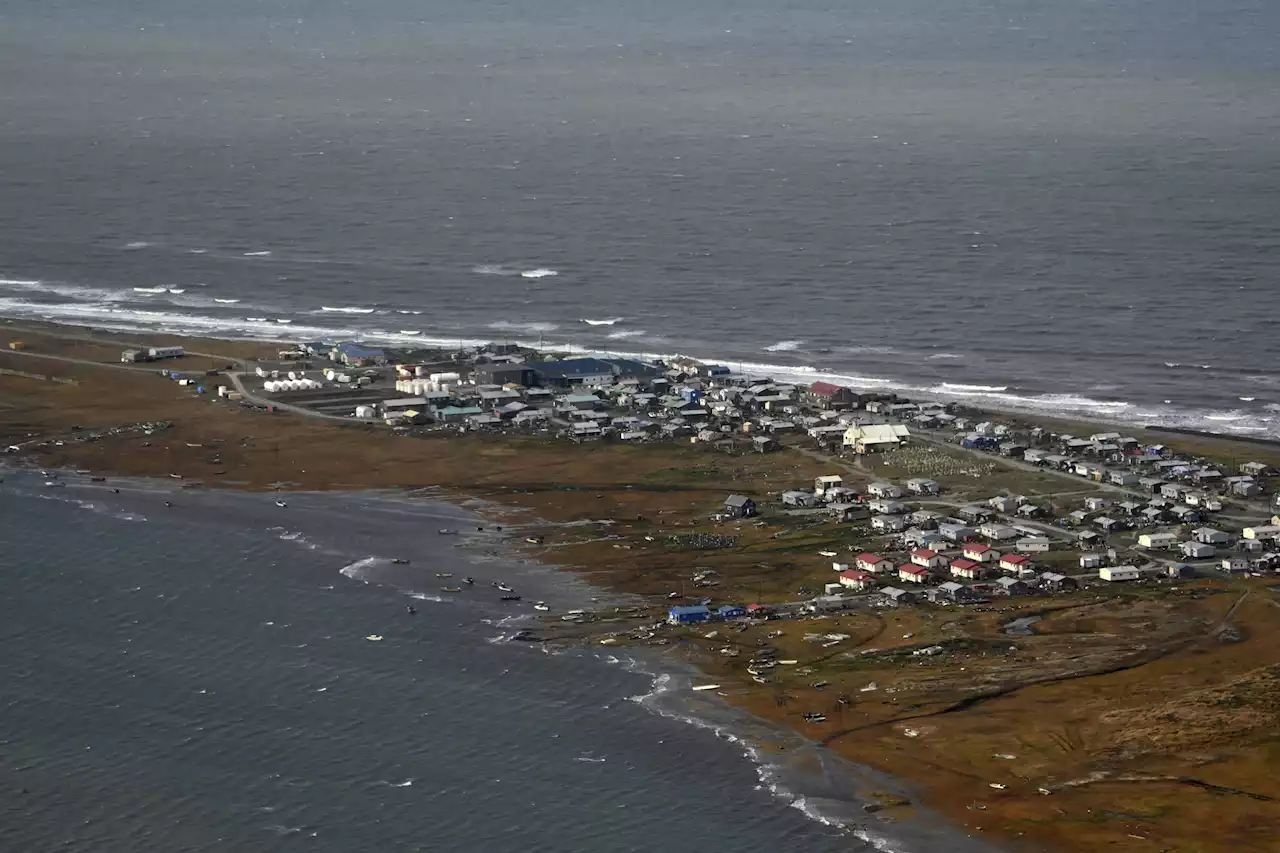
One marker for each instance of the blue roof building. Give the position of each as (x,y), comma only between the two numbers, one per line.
(349,353)
(688,615)
(730,611)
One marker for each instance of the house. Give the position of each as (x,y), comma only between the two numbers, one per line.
(1245,489)
(1235,564)
(1108,524)
(1119,573)
(928,559)
(799,499)
(1054,582)
(1129,507)
(731,611)
(1265,531)
(1184,513)
(920,486)
(998,532)
(980,553)
(873,563)
(909,573)
(575,372)
(956,532)
(824,484)
(1004,504)
(824,395)
(355,355)
(688,615)
(739,506)
(1160,539)
(968,570)
(974,512)
(1030,511)
(1078,517)
(954,591)
(1015,563)
(894,597)
(1209,536)
(857,580)
(884,490)
(873,438)
(885,506)
(1096,504)
(764,444)
(1122,478)
(1092,561)
(923,518)
(1012,586)
(1032,544)
(1197,550)
(845,511)
(889,523)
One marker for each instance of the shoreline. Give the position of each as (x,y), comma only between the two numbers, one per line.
(998,399)
(598,505)
(797,772)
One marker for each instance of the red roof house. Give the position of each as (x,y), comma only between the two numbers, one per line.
(857,580)
(828,396)
(968,569)
(928,559)
(913,574)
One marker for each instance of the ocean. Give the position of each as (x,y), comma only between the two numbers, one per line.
(1060,208)
(199,676)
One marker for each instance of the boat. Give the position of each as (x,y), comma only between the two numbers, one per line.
(281,503)
(445,531)
(97,479)
(533,540)
(469,581)
(503,587)
(706,687)
(827,554)
(374,638)
(409,332)
(400,561)
(53,484)
(510,598)
(442,574)
(673,595)
(451,589)
(540,606)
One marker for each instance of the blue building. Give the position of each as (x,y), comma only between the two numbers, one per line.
(688,615)
(730,611)
(357,355)
(717,370)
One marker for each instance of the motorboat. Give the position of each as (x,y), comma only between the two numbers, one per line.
(540,606)
(54,484)
(533,540)
(504,588)
(281,503)
(451,589)
(374,638)
(469,581)
(441,574)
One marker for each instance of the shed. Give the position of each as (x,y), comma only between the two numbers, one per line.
(1092,561)
(1011,586)
(953,591)
(797,498)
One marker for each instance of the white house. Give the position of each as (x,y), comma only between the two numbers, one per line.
(1092,561)
(1014,563)
(888,523)
(875,437)
(1033,544)
(884,490)
(921,486)
(1004,504)
(1235,564)
(873,563)
(928,559)
(997,532)
(1119,573)
(1265,531)
(1095,504)
(1209,536)
(1197,550)
(913,574)
(825,483)
(980,553)
(887,506)
(1159,539)
(857,580)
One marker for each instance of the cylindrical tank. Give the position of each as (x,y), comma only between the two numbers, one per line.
(419,371)
(261,372)
(292,375)
(329,374)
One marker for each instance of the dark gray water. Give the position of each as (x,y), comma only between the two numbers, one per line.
(198,677)
(1059,207)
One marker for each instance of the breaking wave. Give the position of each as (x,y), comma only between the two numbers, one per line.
(955,388)
(540,272)
(352,309)
(508,326)
(623,334)
(784,346)
(602,322)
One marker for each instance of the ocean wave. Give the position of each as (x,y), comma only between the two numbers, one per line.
(20,282)
(945,356)
(494,269)
(227,301)
(602,322)
(868,350)
(956,388)
(350,309)
(540,272)
(623,334)
(150,290)
(357,570)
(257,254)
(508,326)
(138,244)
(784,346)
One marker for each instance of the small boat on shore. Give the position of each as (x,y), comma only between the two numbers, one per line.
(374,638)
(533,540)
(446,531)
(281,504)
(444,574)
(469,581)
(502,587)
(97,479)
(706,687)
(54,484)
(451,589)
(400,561)
(538,605)
(510,598)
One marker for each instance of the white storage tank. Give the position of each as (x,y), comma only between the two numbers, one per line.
(419,371)
(292,375)
(329,374)
(260,372)
(364,411)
